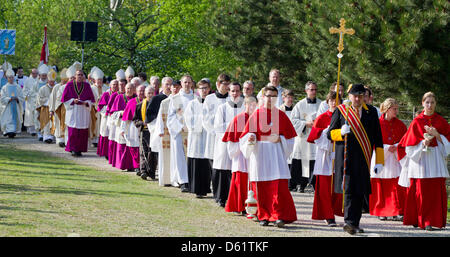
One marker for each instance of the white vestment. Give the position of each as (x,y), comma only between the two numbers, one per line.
(196,141)
(30,101)
(11,114)
(162,144)
(224,115)
(324,155)
(53,104)
(178,136)
(266,160)
(37,86)
(210,106)
(43,100)
(302,113)
(425,164)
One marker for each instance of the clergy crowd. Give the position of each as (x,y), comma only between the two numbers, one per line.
(249,150)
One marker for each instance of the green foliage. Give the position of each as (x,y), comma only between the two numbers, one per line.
(400,48)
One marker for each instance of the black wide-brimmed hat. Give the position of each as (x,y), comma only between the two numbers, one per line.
(357,89)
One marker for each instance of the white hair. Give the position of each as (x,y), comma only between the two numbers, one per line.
(165,79)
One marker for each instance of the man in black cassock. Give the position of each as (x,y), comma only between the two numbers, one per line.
(356,179)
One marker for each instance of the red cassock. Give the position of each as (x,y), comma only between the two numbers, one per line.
(239,179)
(327,203)
(273,196)
(426,199)
(388,197)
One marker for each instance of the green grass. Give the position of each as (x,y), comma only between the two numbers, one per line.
(42,195)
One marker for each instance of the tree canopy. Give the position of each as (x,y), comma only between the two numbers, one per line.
(400,48)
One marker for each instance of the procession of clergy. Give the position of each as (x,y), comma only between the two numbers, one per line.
(250,150)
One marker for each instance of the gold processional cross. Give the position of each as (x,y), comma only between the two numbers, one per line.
(342,31)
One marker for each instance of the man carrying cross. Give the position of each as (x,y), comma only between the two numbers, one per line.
(356,131)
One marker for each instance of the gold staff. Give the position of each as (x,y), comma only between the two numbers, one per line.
(342,31)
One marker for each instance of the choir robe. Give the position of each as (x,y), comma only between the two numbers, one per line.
(357,177)
(304,153)
(388,197)
(221,172)
(103,141)
(123,159)
(131,134)
(267,166)
(77,115)
(112,141)
(47,125)
(162,144)
(30,103)
(37,124)
(178,137)
(199,168)
(11,114)
(55,106)
(212,101)
(98,93)
(327,203)
(424,172)
(239,178)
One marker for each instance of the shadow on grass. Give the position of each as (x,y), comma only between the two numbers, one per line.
(9,188)
(53,175)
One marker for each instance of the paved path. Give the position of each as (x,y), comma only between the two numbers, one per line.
(303,201)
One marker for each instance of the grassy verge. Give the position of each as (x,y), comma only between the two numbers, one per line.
(49,196)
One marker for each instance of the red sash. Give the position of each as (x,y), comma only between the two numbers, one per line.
(358,130)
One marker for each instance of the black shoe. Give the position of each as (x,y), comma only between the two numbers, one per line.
(382,218)
(397,218)
(331,223)
(94,144)
(41,139)
(33,134)
(144,176)
(11,135)
(263,223)
(349,229)
(200,196)
(429,228)
(359,230)
(185,188)
(300,189)
(73,153)
(61,144)
(138,173)
(48,141)
(279,223)
(78,154)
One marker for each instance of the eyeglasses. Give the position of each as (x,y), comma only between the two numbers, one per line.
(203,88)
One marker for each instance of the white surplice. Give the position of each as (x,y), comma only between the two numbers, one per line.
(224,115)
(425,164)
(210,106)
(162,144)
(178,134)
(196,141)
(324,149)
(303,150)
(266,160)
